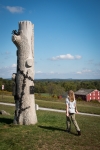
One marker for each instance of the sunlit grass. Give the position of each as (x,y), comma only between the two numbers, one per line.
(49,133)
(85,107)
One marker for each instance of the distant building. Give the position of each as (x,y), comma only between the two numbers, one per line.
(88,94)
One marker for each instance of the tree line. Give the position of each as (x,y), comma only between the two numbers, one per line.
(57,87)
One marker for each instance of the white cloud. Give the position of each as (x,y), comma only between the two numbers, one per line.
(78,57)
(47,73)
(14,65)
(67,56)
(52,72)
(79,72)
(84,71)
(6,72)
(38,72)
(15,9)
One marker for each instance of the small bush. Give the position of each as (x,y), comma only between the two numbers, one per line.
(79,99)
(95,101)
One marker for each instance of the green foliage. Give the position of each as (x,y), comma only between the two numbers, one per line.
(7,84)
(60,86)
(79,99)
(55,87)
(46,97)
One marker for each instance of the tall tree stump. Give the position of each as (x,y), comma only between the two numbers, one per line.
(23,91)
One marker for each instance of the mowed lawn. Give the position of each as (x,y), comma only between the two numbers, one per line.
(83,106)
(49,133)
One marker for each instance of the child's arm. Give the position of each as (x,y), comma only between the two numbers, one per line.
(76,108)
(67,112)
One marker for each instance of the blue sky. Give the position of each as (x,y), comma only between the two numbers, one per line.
(66,37)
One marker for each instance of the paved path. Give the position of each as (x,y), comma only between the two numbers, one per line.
(63,111)
(9,104)
(50,109)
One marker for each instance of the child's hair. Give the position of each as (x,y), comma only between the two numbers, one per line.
(71,95)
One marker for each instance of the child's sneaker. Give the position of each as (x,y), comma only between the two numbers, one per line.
(79,133)
(67,130)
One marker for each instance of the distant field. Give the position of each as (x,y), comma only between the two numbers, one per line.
(86,107)
(7,99)
(49,133)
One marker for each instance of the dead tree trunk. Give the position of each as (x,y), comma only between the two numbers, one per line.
(25,113)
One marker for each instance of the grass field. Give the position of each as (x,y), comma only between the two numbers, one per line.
(85,107)
(49,133)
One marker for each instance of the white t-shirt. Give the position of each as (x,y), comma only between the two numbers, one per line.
(71,105)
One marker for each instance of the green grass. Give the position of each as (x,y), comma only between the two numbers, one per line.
(7,99)
(85,107)
(49,133)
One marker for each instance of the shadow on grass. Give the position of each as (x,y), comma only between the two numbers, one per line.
(54,128)
(51,128)
(6,120)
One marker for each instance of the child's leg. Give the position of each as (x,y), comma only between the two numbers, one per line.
(75,122)
(68,123)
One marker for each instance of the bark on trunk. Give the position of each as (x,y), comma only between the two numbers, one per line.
(25,113)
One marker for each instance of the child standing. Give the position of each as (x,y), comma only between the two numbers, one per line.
(70,112)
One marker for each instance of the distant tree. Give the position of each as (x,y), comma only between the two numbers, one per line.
(69,86)
(55,89)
